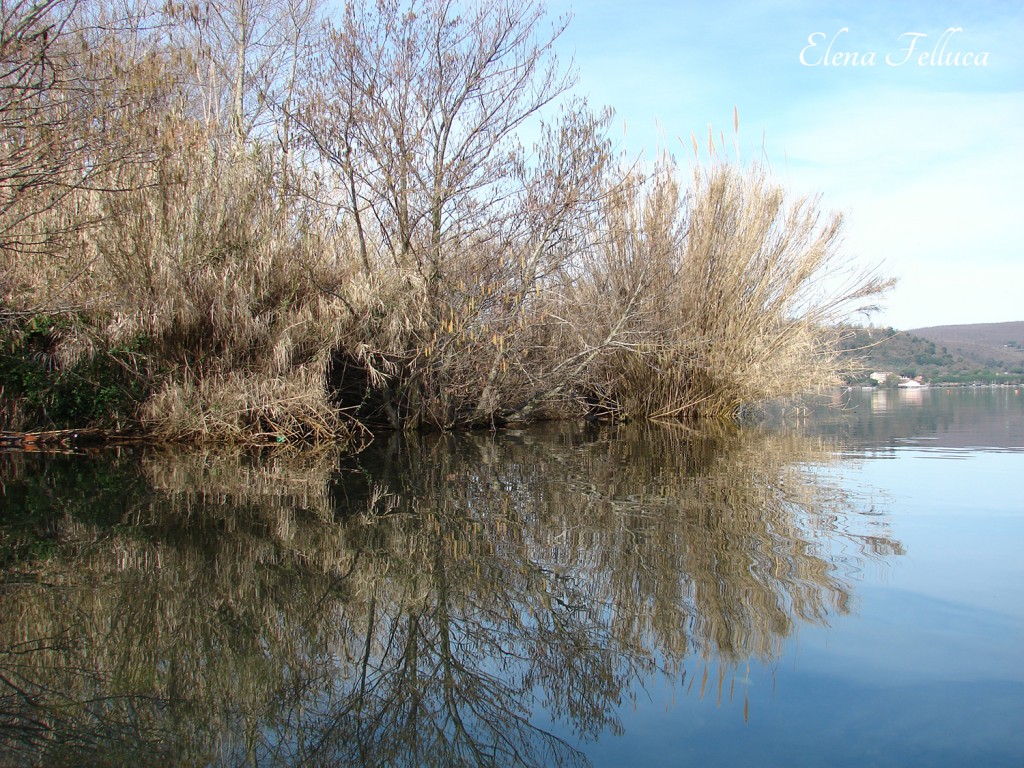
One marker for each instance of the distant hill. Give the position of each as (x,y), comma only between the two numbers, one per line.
(982,352)
(995,335)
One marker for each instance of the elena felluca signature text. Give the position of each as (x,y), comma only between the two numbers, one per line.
(911,49)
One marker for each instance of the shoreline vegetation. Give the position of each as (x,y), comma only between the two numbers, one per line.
(255,223)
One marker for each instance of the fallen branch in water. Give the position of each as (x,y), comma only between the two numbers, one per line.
(61,438)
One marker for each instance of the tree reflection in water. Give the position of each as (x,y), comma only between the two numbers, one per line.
(410,608)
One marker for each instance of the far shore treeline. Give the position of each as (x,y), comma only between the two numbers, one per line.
(283,220)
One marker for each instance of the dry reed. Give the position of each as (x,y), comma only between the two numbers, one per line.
(311,289)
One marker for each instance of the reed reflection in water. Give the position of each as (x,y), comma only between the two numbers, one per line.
(409,608)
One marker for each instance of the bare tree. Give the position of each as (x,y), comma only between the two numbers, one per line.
(243,57)
(40,148)
(76,78)
(418,109)
(417,106)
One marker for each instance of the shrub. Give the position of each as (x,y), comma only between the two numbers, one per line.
(42,388)
(726,296)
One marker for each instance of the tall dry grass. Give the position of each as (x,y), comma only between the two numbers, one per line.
(252,290)
(723,295)
(231,300)
(674,303)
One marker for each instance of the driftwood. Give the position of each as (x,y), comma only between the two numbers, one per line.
(58,439)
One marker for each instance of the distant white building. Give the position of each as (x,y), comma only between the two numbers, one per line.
(880,376)
(909,384)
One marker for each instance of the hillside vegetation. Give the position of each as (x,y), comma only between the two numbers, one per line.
(964,354)
(292,221)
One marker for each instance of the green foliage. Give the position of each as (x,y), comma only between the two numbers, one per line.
(100,389)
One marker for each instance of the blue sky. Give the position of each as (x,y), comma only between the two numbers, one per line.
(926,160)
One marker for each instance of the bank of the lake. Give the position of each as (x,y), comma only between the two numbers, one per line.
(296,266)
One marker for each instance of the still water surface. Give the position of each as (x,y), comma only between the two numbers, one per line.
(843,588)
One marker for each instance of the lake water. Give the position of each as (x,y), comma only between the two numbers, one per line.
(840,586)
